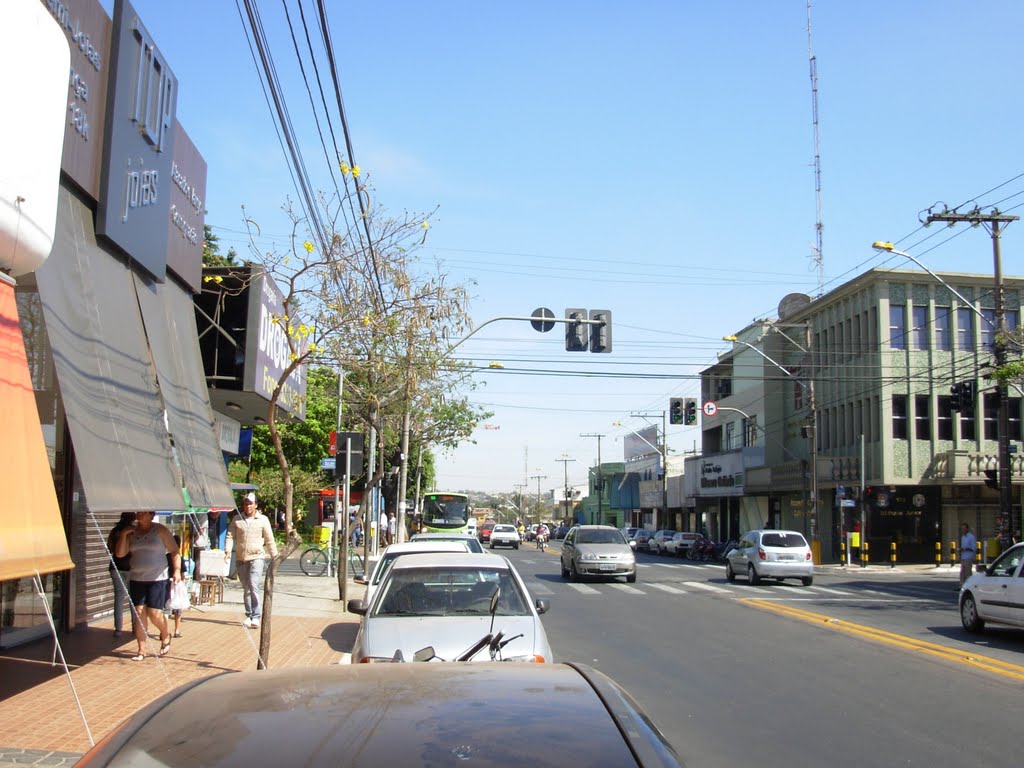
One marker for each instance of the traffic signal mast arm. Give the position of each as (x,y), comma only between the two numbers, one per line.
(519,317)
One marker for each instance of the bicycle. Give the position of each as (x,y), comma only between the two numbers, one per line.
(317,559)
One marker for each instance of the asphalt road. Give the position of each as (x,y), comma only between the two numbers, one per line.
(861,669)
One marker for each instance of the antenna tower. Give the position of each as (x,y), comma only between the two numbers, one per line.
(817,256)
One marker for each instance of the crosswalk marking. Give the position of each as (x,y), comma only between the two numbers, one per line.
(829,590)
(541,589)
(666,588)
(703,585)
(628,589)
(583,589)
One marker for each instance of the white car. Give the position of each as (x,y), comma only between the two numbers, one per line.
(995,594)
(771,554)
(504,536)
(680,543)
(443,601)
(389,555)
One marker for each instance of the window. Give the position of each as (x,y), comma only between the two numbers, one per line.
(943,339)
(988,329)
(967,425)
(730,435)
(856,340)
(1012,318)
(897,327)
(965,329)
(1013,405)
(750,431)
(899,417)
(919,317)
(922,417)
(944,417)
(990,414)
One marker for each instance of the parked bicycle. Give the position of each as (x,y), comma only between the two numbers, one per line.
(316,560)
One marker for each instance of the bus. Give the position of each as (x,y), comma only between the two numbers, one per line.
(445,512)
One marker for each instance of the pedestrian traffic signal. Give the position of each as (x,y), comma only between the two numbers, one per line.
(577,334)
(676,413)
(992,478)
(690,417)
(955,400)
(601,331)
(967,396)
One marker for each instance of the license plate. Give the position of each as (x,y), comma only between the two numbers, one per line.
(608,566)
(785,557)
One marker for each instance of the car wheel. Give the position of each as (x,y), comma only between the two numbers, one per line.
(631,578)
(491,545)
(515,546)
(730,574)
(969,614)
(807,580)
(752,578)
(573,573)
(565,571)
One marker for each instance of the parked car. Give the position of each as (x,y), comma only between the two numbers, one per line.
(656,544)
(472,542)
(485,531)
(391,714)
(561,531)
(454,592)
(504,536)
(597,550)
(641,539)
(392,552)
(995,594)
(629,531)
(771,555)
(680,543)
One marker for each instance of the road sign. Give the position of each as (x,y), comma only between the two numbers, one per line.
(542,323)
(840,491)
(328,463)
(709,408)
(849,502)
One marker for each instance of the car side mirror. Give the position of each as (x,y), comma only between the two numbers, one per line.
(542,605)
(632,544)
(357,606)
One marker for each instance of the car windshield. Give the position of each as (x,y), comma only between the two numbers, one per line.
(449,591)
(470,541)
(600,537)
(783,540)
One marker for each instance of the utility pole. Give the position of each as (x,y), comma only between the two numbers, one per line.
(565,492)
(519,495)
(813,435)
(663,450)
(600,479)
(538,478)
(991,221)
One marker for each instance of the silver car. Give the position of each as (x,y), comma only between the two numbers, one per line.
(995,594)
(504,536)
(771,554)
(472,542)
(443,601)
(597,550)
(388,556)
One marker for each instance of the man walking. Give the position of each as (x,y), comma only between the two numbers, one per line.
(968,548)
(253,541)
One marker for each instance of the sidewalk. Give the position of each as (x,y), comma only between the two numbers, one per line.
(38,711)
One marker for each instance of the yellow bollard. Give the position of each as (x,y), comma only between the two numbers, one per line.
(952,554)
(842,553)
(938,553)
(864,550)
(892,554)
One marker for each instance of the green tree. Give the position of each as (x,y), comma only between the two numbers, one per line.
(211,250)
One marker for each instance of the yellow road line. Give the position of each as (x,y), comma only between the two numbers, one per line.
(1002,668)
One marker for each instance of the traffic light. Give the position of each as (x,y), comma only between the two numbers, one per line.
(601,335)
(955,400)
(675,411)
(992,478)
(690,407)
(576,334)
(967,396)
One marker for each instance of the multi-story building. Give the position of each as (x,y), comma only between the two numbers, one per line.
(852,391)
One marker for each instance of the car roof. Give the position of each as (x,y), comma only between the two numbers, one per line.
(775,530)
(595,527)
(321,718)
(450,560)
(424,546)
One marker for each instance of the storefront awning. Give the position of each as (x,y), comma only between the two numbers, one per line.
(170,322)
(32,535)
(107,380)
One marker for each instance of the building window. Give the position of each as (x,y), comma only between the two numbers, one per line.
(897,327)
(872,330)
(944,417)
(965,329)
(858,419)
(841,431)
(922,417)
(1013,406)
(988,329)
(750,431)
(919,317)
(730,436)
(856,340)
(827,357)
(899,417)
(723,388)
(990,413)
(1012,318)
(967,425)
(943,339)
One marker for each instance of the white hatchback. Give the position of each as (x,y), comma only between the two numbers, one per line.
(995,594)
(771,555)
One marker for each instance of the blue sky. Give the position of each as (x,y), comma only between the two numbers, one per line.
(651,158)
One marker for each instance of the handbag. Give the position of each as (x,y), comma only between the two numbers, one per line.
(179,599)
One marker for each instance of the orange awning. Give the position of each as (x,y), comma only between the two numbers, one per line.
(31,533)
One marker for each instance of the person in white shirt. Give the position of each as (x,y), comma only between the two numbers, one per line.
(253,542)
(968,549)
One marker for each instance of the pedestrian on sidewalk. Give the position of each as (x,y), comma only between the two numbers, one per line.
(252,539)
(392,528)
(149,543)
(120,568)
(968,548)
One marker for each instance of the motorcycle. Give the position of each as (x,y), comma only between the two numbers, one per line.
(542,539)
